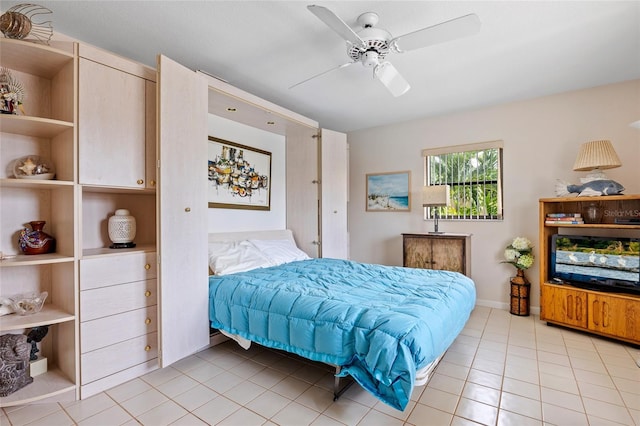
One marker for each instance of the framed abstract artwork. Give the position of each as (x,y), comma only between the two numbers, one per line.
(239,176)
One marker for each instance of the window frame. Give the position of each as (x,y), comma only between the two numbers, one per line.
(459,149)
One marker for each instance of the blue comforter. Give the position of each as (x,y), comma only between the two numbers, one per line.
(380,323)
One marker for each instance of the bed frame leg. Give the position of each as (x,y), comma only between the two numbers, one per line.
(336,385)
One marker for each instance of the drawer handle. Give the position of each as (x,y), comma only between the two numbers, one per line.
(153,183)
(147,348)
(147,266)
(147,321)
(147,293)
(140,181)
(187,209)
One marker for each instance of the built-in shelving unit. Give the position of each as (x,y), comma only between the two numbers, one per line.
(47,129)
(118,287)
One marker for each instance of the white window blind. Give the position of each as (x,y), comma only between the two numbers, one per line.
(474,174)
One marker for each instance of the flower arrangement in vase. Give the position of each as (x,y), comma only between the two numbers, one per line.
(519,254)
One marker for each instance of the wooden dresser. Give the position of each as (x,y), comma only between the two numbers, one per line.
(450,252)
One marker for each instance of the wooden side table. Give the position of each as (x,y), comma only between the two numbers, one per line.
(450,252)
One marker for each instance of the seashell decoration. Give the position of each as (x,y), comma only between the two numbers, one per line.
(12,93)
(18,22)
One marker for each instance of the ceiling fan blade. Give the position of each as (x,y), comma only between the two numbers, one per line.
(322,73)
(391,78)
(449,30)
(336,24)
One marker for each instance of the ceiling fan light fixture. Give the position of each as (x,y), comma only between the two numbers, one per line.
(370,59)
(391,79)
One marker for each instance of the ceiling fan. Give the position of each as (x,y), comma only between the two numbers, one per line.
(371,45)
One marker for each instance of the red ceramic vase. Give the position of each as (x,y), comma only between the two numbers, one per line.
(36,241)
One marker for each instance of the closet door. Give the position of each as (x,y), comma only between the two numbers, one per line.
(303,215)
(333,199)
(182,211)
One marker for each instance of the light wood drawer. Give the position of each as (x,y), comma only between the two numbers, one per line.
(109,270)
(106,331)
(105,301)
(112,359)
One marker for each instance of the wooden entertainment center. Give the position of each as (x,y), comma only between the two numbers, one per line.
(615,315)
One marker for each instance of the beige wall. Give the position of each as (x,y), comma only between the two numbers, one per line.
(541,139)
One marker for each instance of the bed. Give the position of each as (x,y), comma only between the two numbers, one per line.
(386,327)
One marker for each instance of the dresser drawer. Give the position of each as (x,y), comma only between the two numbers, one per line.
(109,270)
(107,331)
(112,359)
(115,299)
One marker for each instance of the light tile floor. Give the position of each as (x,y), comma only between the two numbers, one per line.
(501,370)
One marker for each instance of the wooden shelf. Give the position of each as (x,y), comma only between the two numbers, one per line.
(118,190)
(35,183)
(32,58)
(38,127)
(589,199)
(630,296)
(46,385)
(106,251)
(35,259)
(595,226)
(50,314)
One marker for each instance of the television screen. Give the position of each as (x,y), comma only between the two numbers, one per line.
(598,263)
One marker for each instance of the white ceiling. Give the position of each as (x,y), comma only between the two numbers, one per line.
(523,50)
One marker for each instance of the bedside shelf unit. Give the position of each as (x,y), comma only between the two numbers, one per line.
(449,252)
(608,314)
(48,129)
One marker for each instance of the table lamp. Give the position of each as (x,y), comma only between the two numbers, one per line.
(594,157)
(435,196)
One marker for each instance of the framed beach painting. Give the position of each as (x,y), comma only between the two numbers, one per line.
(239,176)
(389,192)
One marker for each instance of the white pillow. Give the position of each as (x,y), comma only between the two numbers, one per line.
(228,257)
(279,251)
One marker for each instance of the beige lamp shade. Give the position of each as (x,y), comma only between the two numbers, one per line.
(596,155)
(435,195)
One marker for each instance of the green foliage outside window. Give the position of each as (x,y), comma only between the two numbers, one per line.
(474,178)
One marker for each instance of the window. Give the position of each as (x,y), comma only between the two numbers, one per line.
(474,174)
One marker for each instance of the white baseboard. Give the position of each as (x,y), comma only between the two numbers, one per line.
(534,310)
